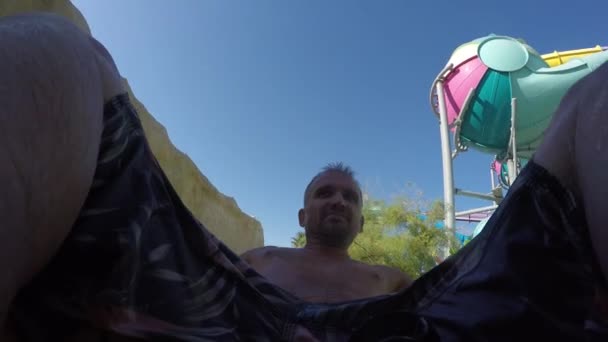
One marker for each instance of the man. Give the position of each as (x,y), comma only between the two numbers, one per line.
(322,271)
(96,245)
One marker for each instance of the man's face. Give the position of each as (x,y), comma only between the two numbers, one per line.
(332,210)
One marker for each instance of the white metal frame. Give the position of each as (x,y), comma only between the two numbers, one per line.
(438,105)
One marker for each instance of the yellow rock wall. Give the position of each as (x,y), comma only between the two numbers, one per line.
(220,214)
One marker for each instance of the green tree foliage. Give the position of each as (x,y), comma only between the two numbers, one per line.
(402,234)
(299,240)
(397,234)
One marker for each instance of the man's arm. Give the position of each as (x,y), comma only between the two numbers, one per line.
(395,279)
(249,256)
(254,257)
(402,281)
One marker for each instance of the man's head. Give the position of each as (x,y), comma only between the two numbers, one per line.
(332,207)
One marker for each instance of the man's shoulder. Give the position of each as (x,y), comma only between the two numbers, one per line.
(386,270)
(265,252)
(259,251)
(393,277)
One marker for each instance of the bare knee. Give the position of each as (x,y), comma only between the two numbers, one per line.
(50,121)
(591,158)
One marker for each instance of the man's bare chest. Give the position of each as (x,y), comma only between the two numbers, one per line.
(316,282)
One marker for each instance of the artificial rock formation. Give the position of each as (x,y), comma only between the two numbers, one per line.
(218,212)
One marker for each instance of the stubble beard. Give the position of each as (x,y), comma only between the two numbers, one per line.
(335,235)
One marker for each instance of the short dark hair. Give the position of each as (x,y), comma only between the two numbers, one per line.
(333,167)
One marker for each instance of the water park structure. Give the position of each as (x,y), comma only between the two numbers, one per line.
(497,95)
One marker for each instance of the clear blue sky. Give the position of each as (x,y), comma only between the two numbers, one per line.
(262,94)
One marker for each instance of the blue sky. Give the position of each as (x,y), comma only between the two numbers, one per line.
(262,94)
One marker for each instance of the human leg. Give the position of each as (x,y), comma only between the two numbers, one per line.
(50,124)
(88,181)
(590,157)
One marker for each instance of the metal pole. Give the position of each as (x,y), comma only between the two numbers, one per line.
(446,156)
(511,165)
(488,197)
(468,219)
(513,141)
(476,211)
